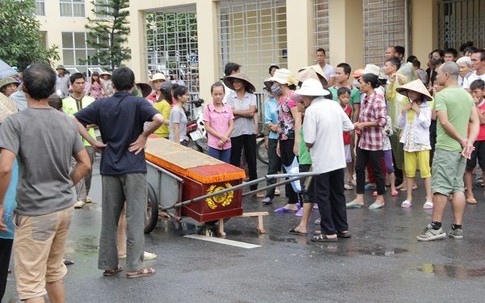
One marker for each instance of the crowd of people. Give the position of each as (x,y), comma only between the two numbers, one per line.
(350,130)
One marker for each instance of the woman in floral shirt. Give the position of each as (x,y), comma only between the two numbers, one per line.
(288,129)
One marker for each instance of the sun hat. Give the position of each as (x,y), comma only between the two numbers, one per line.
(371,69)
(312,87)
(105,74)
(310,73)
(166,86)
(60,66)
(267,84)
(415,86)
(321,74)
(8,80)
(144,88)
(158,76)
(228,81)
(7,107)
(283,76)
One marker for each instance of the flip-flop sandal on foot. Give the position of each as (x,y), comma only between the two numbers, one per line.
(112,272)
(296,233)
(142,272)
(323,238)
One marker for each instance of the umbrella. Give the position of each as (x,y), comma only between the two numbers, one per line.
(6,70)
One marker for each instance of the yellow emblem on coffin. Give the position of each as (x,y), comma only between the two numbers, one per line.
(223,199)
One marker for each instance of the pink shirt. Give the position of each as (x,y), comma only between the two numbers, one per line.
(219,121)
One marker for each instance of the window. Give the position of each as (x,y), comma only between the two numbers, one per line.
(76,53)
(100,7)
(72,8)
(40,7)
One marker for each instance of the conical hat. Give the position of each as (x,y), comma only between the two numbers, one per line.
(415,86)
(228,81)
(7,107)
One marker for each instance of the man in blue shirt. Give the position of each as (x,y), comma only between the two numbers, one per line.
(123,169)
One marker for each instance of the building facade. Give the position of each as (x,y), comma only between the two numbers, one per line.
(193,39)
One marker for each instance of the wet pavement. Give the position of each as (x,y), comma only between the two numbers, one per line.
(382,262)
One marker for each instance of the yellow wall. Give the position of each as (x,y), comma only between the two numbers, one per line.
(300,29)
(424,29)
(346,33)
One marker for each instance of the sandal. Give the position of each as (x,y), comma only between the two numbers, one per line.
(406,204)
(112,272)
(295,232)
(323,238)
(142,272)
(344,234)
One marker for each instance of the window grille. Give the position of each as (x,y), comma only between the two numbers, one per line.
(461,21)
(172,49)
(321,26)
(384,26)
(252,33)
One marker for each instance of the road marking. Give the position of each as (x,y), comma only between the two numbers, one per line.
(223,241)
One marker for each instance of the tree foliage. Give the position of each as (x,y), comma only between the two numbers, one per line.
(20,35)
(108,32)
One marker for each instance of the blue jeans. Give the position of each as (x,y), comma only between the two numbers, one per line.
(223,155)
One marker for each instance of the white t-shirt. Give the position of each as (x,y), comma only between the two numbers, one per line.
(324,123)
(468,80)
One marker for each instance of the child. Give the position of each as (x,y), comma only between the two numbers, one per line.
(477,88)
(387,150)
(415,120)
(343,95)
(219,123)
(178,119)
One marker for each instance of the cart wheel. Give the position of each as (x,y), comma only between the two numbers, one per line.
(151,212)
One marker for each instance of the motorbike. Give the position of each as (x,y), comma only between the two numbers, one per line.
(195,126)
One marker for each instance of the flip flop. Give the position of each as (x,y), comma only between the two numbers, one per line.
(353,204)
(296,233)
(323,238)
(112,272)
(376,206)
(142,272)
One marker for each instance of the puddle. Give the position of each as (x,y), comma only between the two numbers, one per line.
(381,251)
(283,239)
(451,271)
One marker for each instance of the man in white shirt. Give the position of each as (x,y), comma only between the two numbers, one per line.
(478,66)
(323,126)
(327,69)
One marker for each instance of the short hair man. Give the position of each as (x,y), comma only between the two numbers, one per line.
(390,53)
(44,195)
(327,69)
(62,81)
(123,169)
(76,101)
(455,112)
(324,124)
(451,54)
(399,53)
(342,76)
(478,66)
